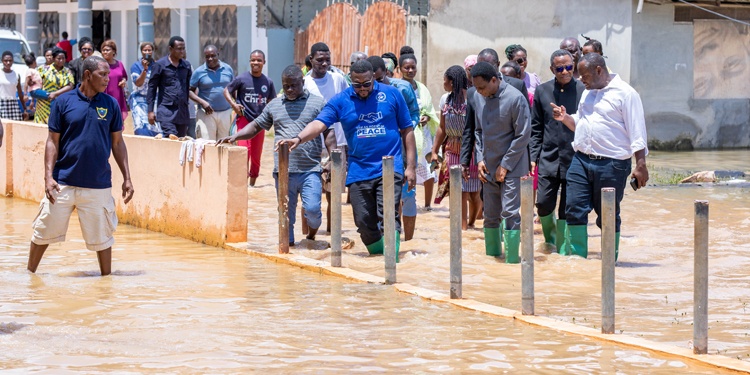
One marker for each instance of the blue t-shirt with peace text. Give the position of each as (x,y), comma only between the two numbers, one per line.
(372,127)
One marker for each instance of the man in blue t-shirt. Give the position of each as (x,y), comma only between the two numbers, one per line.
(214,112)
(85,126)
(376,122)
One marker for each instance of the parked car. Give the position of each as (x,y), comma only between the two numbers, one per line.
(15,42)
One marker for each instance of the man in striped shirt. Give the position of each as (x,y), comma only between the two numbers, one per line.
(289,116)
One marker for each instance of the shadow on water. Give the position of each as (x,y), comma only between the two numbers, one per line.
(9,328)
(98,274)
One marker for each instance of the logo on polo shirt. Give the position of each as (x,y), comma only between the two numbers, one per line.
(264,88)
(381,97)
(102,112)
(370,131)
(371,117)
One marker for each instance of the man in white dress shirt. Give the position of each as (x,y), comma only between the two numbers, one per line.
(609,130)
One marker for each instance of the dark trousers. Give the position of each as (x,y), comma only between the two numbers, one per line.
(586,178)
(367,206)
(168,128)
(546,196)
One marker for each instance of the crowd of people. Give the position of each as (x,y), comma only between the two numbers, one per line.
(575,134)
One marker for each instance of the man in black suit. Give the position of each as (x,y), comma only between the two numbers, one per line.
(469,136)
(551,143)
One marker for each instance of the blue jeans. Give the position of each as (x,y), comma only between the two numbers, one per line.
(586,178)
(309,187)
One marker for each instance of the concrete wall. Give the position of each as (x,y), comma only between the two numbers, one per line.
(207,204)
(662,72)
(460,28)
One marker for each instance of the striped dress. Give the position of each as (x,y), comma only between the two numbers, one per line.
(52,80)
(455,121)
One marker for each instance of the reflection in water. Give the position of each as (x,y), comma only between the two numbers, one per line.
(654,275)
(173,306)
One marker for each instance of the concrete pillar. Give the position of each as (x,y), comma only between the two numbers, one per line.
(85,18)
(32,25)
(145,21)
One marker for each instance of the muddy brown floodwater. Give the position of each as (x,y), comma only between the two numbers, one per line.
(172,306)
(654,275)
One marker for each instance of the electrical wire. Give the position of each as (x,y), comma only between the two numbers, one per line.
(715,13)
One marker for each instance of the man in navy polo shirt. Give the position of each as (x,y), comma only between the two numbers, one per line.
(376,121)
(210,79)
(170,80)
(85,125)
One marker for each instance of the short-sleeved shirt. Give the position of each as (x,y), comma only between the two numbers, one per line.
(372,127)
(211,84)
(288,118)
(173,85)
(252,92)
(85,126)
(327,87)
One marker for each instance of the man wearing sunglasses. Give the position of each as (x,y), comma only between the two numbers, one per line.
(610,129)
(376,122)
(550,144)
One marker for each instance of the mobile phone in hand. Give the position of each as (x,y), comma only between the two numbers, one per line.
(634,183)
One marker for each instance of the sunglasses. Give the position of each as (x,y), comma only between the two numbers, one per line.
(560,69)
(520,60)
(358,85)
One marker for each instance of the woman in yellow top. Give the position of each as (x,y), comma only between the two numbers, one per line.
(56,80)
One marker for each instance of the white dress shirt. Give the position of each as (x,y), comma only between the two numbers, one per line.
(610,121)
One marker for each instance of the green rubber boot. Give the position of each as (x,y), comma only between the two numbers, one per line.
(492,245)
(398,244)
(548,228)
(376,247)
(617,245)
(576,241)
(512,241)
(560,234)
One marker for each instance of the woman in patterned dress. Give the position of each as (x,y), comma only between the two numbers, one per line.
(56,80)
(452,122)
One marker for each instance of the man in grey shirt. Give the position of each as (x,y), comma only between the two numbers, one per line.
(503,129)
(289,116)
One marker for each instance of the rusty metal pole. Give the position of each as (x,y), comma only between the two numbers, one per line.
(282,194)
(389,220)
(700,286)
(608,260)
(527,246)
(337,172)
(456,189)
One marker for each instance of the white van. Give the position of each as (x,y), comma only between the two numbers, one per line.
(15,42)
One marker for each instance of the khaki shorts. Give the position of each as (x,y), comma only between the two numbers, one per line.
(96,214)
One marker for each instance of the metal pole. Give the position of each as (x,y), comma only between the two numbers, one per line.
(527,246)
(389,220)
(456,189)
(337,172)
(608,260)
(282,194)
(700,272)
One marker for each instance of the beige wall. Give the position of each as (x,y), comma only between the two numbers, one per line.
(207,204)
